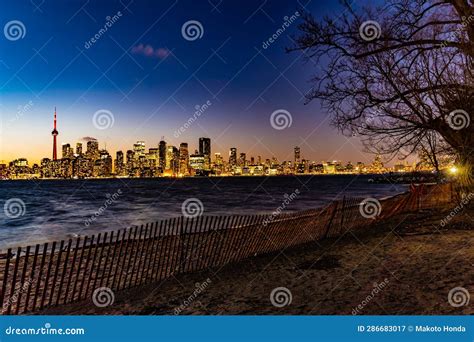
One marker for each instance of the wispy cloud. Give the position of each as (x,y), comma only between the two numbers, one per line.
(86,139)
(150,51)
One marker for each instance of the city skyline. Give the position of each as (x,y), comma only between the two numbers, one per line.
(168,160)
(151,78)
(201,147)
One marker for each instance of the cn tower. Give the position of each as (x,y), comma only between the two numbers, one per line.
(55,133)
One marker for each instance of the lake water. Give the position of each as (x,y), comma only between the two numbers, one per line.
(52,209)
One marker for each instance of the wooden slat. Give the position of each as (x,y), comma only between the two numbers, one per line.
(78,273)
(5,278)
(107,280)
(55,277)
(93,272)
(124,266)
(31,279)
(48,273)
(22,281)
(40,274)
(86,269)
(96,273)
(71,271)
(141,251)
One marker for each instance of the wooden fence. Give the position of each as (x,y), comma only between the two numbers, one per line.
(50,274)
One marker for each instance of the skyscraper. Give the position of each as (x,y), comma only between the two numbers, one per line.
(243,159)
(297,157)
(139,149)
(93,150)
(205,150)
(55,133)
(183,159)
(162,154)
(79,149)
(233,156)
(130,165)
(119,165)
(172,159)
(67,151)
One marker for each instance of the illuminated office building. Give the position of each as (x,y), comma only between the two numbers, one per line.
(183,159)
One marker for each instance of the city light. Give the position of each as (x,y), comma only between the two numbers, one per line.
(166,160)
(453,170)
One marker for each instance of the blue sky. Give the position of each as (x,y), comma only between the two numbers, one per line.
(144,72)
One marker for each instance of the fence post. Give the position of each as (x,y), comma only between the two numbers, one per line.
(5,278)
(343,208)
(13,283)
(22,281)
(32,276)
(181,241)
(334,205)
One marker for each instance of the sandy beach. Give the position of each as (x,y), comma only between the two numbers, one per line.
(404,265)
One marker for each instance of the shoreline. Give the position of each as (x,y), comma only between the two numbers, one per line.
(72,236)
(332,277)
(204,177)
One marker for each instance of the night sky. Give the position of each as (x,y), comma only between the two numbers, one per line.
(144,72)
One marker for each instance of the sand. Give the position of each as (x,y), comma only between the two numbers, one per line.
(405,265)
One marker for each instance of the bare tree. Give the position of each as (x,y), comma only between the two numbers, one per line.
(397,74)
